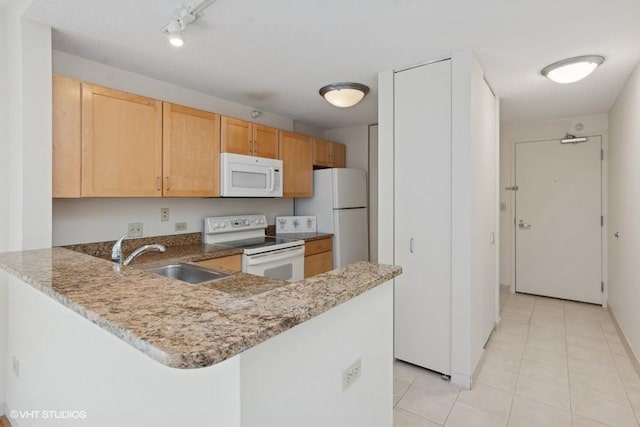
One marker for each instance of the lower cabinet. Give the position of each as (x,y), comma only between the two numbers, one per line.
(232,262)
(318,256)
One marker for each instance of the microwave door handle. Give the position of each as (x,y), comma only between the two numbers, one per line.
(267,258)
(272,175)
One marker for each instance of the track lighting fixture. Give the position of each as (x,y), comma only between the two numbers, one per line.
(184,17)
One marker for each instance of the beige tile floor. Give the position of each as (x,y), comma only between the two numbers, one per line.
(551,363)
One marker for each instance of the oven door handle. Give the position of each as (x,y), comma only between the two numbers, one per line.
(272,177)
(274,256)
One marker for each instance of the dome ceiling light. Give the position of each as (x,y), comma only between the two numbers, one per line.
(572,69)
(345,94)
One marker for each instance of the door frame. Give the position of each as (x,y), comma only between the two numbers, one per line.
(603,200)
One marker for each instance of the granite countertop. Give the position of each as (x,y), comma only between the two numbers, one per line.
(182,325)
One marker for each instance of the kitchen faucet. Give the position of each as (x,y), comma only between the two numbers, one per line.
(116,251)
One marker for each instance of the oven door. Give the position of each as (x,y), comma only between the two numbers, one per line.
(284,264)
(248,176)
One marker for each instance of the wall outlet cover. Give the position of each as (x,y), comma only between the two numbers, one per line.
(135,229)
(295,224)
(180,226)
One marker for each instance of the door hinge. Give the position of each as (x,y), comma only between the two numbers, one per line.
(601,154)
(601,221)
(514,188)
(602,287)
(514,221)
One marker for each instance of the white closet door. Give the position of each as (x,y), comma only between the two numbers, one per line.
(423,216)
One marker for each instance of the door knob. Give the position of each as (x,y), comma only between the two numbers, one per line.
(616,234)
(523,225)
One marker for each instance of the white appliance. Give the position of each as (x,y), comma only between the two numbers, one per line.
(339,203)
(275,257)
(249,176)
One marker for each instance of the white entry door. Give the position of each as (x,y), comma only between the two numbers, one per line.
(558,219)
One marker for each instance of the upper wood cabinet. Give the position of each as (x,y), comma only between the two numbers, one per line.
(296,152)
(121,144)
(191,152)
(329,154)
(251,139)
(67,137)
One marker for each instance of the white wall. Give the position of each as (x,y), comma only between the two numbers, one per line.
(97,220)
(356,138)
(307,129)
(94,72)
(91,220)
(4,195)
(304,366)
(474,155)
(596,124)
(25,146)
(624,210)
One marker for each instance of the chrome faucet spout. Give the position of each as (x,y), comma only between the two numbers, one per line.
(116,251)
(143,249)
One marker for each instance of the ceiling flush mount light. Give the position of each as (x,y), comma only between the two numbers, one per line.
(572,69)
(184,17)
(344,94)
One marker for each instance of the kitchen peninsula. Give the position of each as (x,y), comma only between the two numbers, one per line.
(249,351)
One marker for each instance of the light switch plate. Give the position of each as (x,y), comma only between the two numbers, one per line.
(295,224)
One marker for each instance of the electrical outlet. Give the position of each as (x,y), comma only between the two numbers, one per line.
(135,229)
(351,374)
(16,367)
(180,226)
(164,214)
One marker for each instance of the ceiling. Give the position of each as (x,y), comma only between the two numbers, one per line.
(274,55)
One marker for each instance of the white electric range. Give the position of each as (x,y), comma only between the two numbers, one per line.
(262,255)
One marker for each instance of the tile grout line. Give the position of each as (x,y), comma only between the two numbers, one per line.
(566,343)
(513,394)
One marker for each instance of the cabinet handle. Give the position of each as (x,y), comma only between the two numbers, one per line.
(411,245)
(158,184)
(168,183)
(255,148)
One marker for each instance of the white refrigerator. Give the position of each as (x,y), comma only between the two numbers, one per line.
(339,203)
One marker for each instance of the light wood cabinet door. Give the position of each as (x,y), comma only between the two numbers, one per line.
(191,152)
(231,262)
(321,153)
(296,152)
(265,141)
(329,154)
(236,136)
(121,144)
(318,263)
(338,155)
(318,256)
(67,137)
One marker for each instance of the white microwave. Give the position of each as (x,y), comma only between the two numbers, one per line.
(249,176)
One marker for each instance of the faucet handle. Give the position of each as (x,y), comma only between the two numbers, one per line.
(116,251)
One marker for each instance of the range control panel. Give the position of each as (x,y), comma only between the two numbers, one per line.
(228,224)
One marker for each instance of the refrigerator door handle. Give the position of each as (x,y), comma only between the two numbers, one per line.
(411,245)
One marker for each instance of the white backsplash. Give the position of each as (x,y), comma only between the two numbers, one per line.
(96,220)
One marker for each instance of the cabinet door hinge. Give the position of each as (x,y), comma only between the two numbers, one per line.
(601,154)
(601,221)
(602,287)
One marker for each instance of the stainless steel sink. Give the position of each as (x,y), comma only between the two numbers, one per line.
(188,273)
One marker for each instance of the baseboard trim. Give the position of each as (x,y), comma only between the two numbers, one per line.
(625,342)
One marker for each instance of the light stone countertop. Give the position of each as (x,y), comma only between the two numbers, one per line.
(182,325)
